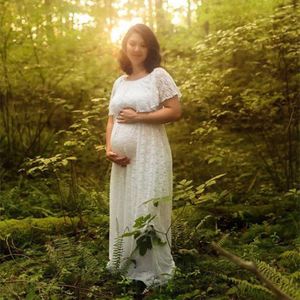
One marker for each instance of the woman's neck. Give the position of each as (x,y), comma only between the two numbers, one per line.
(138,70)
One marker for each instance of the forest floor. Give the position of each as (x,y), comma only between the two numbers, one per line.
(65,258)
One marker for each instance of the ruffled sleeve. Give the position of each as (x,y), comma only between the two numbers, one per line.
(166,86)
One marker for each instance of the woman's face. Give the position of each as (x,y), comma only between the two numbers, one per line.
(136,49)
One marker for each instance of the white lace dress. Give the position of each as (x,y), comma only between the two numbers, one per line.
(147,177)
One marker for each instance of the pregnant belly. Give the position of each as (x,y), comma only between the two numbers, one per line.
(124,139)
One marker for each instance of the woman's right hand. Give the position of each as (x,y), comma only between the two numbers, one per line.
(118,159)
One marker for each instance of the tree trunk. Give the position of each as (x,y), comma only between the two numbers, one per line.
(109,14)
(150,14)
(159,14)
(189,14)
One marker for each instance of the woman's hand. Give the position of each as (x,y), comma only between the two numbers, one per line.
(128,115)
(169,111)
(123,161)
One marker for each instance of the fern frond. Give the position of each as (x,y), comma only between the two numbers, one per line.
(196,230)
(295,277)
(249,290)
(283,282)
(279,284)
(71,258)
(292,257)
(201,223)
(223,239)
(117,253)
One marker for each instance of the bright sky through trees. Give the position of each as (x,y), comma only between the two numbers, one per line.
(123,25)
(177,8)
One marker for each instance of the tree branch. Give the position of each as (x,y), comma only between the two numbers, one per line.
(251,266)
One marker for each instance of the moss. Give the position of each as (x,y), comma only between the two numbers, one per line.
(29,230)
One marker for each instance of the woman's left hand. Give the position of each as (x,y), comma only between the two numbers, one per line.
(127,115)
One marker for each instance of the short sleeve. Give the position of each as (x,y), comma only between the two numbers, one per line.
(166,86)
(113,91)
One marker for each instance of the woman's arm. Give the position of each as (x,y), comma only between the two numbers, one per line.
(112,156)
(170,112)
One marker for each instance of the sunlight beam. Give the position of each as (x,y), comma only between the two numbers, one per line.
(122,27)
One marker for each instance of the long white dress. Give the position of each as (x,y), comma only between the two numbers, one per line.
(147,177)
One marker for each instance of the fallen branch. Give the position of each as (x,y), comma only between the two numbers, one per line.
(251,266)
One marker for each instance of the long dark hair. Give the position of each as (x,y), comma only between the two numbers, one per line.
(153,58)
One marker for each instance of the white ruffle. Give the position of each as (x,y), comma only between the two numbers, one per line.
(144,94)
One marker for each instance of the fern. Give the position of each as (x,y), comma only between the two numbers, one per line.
(178,230)
(249,290)
(224,238)
(117,253)
(291,254)
(201,223)
(255,291)
(290,258)
(287,285)
(183,229)
(72,261)
(295,277)
(145,237)
(120,265)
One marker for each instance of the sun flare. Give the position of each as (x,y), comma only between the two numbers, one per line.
(121,28)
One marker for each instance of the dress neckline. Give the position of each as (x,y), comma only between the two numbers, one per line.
(125,76)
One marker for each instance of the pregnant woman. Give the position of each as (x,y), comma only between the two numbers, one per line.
(142,100)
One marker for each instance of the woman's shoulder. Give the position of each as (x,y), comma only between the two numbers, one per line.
(159,70)
(118,80)
(161,74)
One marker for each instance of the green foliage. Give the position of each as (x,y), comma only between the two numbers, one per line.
(146,237)
(248,290)
(290,259)
(29,231)
(237,67)
(117,254)
(22,233)
(282,281)
(72,262)
(45,75)
(286,283)
(17,202)
(241,90)
(217,15)
(186,194)
(145,234)
(51,164)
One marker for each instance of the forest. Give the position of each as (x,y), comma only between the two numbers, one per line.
(236,148)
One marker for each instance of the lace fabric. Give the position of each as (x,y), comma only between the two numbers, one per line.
(147,177)
(165,84)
